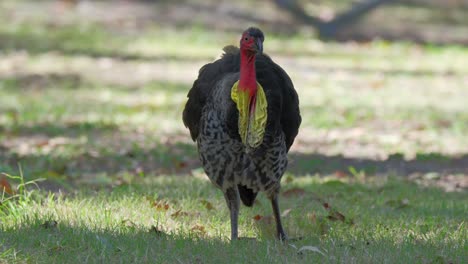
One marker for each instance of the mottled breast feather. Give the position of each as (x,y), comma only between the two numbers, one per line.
(283,102)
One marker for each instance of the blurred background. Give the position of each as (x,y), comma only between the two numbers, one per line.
(92,92)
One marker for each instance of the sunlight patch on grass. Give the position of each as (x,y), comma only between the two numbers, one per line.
(383,220)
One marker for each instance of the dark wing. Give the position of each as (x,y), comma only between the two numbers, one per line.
(208,76)
(290,114)
(282,98)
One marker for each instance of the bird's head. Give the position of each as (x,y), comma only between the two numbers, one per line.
(252,40)
(247,93)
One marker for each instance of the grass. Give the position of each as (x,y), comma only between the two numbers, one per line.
(167,219)
(94,109)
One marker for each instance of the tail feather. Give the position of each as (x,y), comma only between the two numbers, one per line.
(247,195)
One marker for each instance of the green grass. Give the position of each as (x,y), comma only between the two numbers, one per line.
(385,221)
(94,109)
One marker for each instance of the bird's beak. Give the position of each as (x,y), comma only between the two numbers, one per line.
(259,46)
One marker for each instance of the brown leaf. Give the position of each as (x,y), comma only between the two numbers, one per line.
(333,215)
(340,174)
(294,192)
(179,213)
(266,220)
(179,164)
(257,217)
(266,225)
(160,205)
(5,186)
(336,216)
(182,164)
(312,217)
(207,205)
(42,143)
(198,228)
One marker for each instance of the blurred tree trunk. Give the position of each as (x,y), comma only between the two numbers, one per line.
(329,29)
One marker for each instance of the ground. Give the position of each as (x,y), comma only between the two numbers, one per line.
(93,104)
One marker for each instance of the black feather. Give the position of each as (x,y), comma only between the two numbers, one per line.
(247,195)
(256,32)
(281,96)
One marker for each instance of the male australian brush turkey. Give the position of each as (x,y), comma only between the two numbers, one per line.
(243,112)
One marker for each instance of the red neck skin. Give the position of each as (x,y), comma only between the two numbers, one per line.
(248,76)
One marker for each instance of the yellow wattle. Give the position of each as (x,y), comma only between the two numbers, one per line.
(251,124)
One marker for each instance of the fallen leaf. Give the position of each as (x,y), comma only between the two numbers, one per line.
(5,186)
(266,220)
(181,164)
(312,217)
(160,205)
(257,217)
(294,192)
(340,174)
(336,216)
(333,215)
(207,205)
(265,225)
(310,248)
(286,212)
(198,228)
(179,213)
(42,143)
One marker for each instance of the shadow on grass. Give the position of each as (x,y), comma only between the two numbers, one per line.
(395,164)
(113,237)
(61,243)
(41,81)
(97,164)
(55,129)
(39,44)
(106,166)
(363,70)
(36,43)
(69,82)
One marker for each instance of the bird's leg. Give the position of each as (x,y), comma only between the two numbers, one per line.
(276,212)
(233,201)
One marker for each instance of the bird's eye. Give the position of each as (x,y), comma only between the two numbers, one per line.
(246,38)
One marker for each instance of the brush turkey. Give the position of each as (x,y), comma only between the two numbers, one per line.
(243,113)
